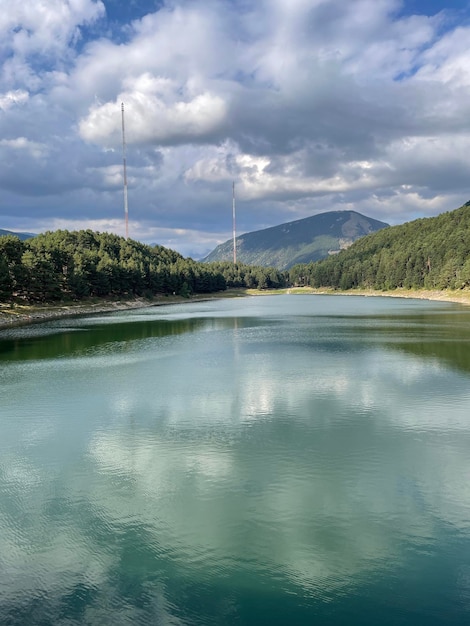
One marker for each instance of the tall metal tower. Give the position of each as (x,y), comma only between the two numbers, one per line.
(234,229)
(126,207)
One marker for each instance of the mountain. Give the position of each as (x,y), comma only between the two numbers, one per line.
(309,239)
(429,253)
(22,236)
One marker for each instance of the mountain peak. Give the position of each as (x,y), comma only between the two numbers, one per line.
(300,241)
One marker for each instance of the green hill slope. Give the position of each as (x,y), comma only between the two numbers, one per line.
(430,253)
(21,236)
(301,241)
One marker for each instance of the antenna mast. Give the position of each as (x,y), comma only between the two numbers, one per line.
(233,218)
(126,208)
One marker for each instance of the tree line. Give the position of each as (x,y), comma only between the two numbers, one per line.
(250,276)
(65,265)
(428,253)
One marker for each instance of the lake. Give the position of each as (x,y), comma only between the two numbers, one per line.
(264,460)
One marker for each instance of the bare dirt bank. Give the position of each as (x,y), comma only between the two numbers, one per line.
(461,296)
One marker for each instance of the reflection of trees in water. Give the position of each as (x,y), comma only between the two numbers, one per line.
(445,337)
(59,340)
(75,340)
(455,354)
(441,336)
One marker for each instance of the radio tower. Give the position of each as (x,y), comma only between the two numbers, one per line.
(126,208)
(233,219)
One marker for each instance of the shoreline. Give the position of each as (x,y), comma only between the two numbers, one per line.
(23,315)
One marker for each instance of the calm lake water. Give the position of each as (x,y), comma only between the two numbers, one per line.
(266,460)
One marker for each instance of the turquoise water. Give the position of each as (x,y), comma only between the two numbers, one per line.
(265,460)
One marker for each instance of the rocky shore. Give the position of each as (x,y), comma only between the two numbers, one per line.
(20,315)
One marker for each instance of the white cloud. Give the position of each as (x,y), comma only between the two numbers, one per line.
(13,98)
(36,150)
(447,61)
(154,117)
(44,26)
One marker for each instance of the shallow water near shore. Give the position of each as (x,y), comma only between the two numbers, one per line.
(278,460)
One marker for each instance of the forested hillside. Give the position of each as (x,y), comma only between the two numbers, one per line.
(430,253)
(65,265)
(62,264)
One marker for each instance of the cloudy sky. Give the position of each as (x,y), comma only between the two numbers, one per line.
(308,105)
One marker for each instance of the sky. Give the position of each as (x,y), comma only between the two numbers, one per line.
(306,105)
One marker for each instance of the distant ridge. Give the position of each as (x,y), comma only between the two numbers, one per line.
(301,241)
(22,236)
